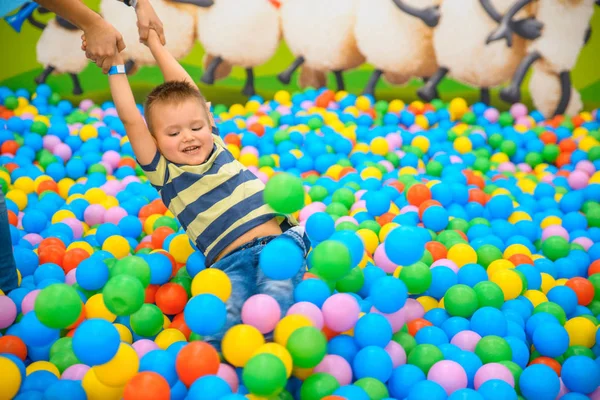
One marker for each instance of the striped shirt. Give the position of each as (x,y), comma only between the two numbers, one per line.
(215,202)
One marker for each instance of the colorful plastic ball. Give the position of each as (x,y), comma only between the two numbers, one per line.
(403,380)
(331,260)
(461,301)
(95,341)
(449,375)
(261,311)
(8,311)
(493,349)
(196,359)
(208,387)
(284,193)
(212,281)
(489,321)
(147,321)
(581,374)
(404,245)
(318,386)
(123,295)
(272,264)
(147,385)
(373,362)
(551,340)
(34,333)
(425,356)
(205,314)
(120,369)
(340,312)
(320,226)
(58,306)
(239,344)
(496,389)
(581,332)
(388,294)
(539,382)
(372,330)
(264,375)
(10,378)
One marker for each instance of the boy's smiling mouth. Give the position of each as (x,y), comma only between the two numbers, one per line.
(191,149)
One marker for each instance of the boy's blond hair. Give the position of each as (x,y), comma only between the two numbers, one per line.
(172,92)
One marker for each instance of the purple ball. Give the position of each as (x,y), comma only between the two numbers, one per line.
(94,214)
(554,230)
(578,179)
(8,311)
(466,340)
(144,346)
(50,142)
(493,371)
(450,375)
(518,110)
(75,372)
(114,215)
(63,151)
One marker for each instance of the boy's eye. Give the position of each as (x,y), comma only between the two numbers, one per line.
(196,129)
(173,134)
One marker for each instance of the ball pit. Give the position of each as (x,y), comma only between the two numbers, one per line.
(455,255)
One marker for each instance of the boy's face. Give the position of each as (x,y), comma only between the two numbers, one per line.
(183,132)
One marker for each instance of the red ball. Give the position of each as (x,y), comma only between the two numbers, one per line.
(147,385)
(72,259)
(171,298)
(196,359)
(583,288)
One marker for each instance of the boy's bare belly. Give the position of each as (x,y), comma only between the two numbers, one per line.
(267,229)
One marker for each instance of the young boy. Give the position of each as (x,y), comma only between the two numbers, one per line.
(216,199)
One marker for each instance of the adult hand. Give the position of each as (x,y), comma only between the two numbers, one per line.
(146,20)
(103,42)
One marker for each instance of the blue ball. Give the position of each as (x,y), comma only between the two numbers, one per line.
(38,381)
(435,218)
(65,390)
(36,334)
(404,245)
(320,226)
(427,390)
(539,382)
(372,330)
(130,226)
(377,202)
(465,394)
(26,260)
(581,374)
(96,341)
(314,291)
(92,274)
(195,263)
(551,339)
(281,258)
(208,387)
(160,268)
(442,279)
(453,325)
(520,350)
(373,362)
(489,321)
(34,221)
(496,389)
(471,274)
(49,271)
(205,314)
(344,346)
(162,362)
(403,379)
(388,294)
(351,392)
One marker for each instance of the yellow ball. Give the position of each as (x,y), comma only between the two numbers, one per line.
(234,150)
(124,333)
(582,332)
(288,325)
(422,121)
(421,142)
(302,373)
(371,172)
(121,368)
(180,248)
(169,336)
(369,239)
(64,185)
(10,378)
(81,245)
(396,106)
(458,107)
(548,282)
(240,343)
(278,351)
(88,132)
(95,308)
(237,109)
(499,265)
(516,249)
(95,195)
(536,297)
(363,103)
(499,158)
(19,197)
(249,159)
(61,215)
(252,106)
(408,171)
(25,184)
(116,245)
(42,366)
(462,254)
(213,281)
(518,216)
(549,221)
(110,202)
(561,282)
(379,146)
(96,390)
(510,283)
(283,97)
(428,302)
(463,145)
(149,223)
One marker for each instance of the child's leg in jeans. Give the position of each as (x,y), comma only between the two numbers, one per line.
(241,270)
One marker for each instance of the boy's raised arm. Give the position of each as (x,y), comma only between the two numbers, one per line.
(169,66)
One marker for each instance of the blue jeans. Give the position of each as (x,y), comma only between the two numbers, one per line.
(247,279)
(8,268)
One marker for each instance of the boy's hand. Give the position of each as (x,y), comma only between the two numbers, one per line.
(115,60)
(103,42)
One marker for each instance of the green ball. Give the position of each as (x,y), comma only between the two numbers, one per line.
(99,168)
(550,153)
(434,168)
(61,345)
(351,283)
(552,308)
(508,147)
(514,369)
(394,159)
(555,247)
(579,351)
(505,119)
(134,266)
(448,236)
(346,226)
(11,103)
(493,349)
(489,294)
(461,301)
(284,193)
(375,389)
(318,193)
(123,294)
(594,153)
(147,321)
(166,221)
(317,386)
(281,136)
(458,224)
(486,254)
(417,277)
(337,209)
(370,225)
(266,161)
(264,375)
(45,158)
(185,283)
(194,337)
(344,196)
(58,306)
(534,159)
(315,123)
(495,140)
(427,258)
(307,346)
(405,340)
(469,118)
(593,217)
(424,356)
(482,164)
(39,127)
(331,259)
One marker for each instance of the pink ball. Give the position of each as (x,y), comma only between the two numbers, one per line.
(249,150)
(555,230)
(129,179)
(523,121)
(111,112)
(409,208)
(311,209)
(109,169)
(578,179)
(336,366)
(396,352)
(358,204)
(413,310)
(33,238)
(261,311)
(586,166)
(548,178)
(29,301)
(112,158)
(144,346)
(75,226)
(493,371)
(227,373)
(27,116)
(382,261)
(115,214)
(455,159)
(75,372)
(94,214)
(86,104)
(595,395)
(8,311)
(518,110)
(346,218)
(448,374)
(524,167)
(394,140)
(111,188)
(444,262)
(396,320)
(585,242)
(306,104)
(507,167)
(308,310)
(466,340)
(63,151)
(50,142)
(70,277)
(340,312)
(387,165)
(491,114)
(563,389)
(262,176)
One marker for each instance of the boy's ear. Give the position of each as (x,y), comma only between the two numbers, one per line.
(210,115)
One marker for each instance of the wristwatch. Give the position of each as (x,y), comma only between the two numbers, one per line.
(130,3)
(117,69)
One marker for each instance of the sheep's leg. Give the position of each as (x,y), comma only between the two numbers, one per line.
(588,35)
(286,76)
(429,92)
(41,78)
(76,85)
(565,95)
(129,66)
(339,80)
(370,88)
(209,75)
(485,96)
(249,87)
(512,93)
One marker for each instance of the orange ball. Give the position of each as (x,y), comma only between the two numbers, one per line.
(563,159)
(9,147)
(51,241)
(257,128)
(52,254)
(151,294)
(550,362)
(385,218)
(417,194)
(13,219)
(415,325)
(158,206)
(329,334)
(145,211)
(519,259)
(171,298)
(477,196)
(127,162)
(437,250)
(548,137)
(196,359)
(147,385)
(567,145)
(232,138)
(179,324)
(144,245)
(594,268)
(47,185)
(333,397)
(159,235)
(426,204)
(13,345)
(73,257)
(583,289)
